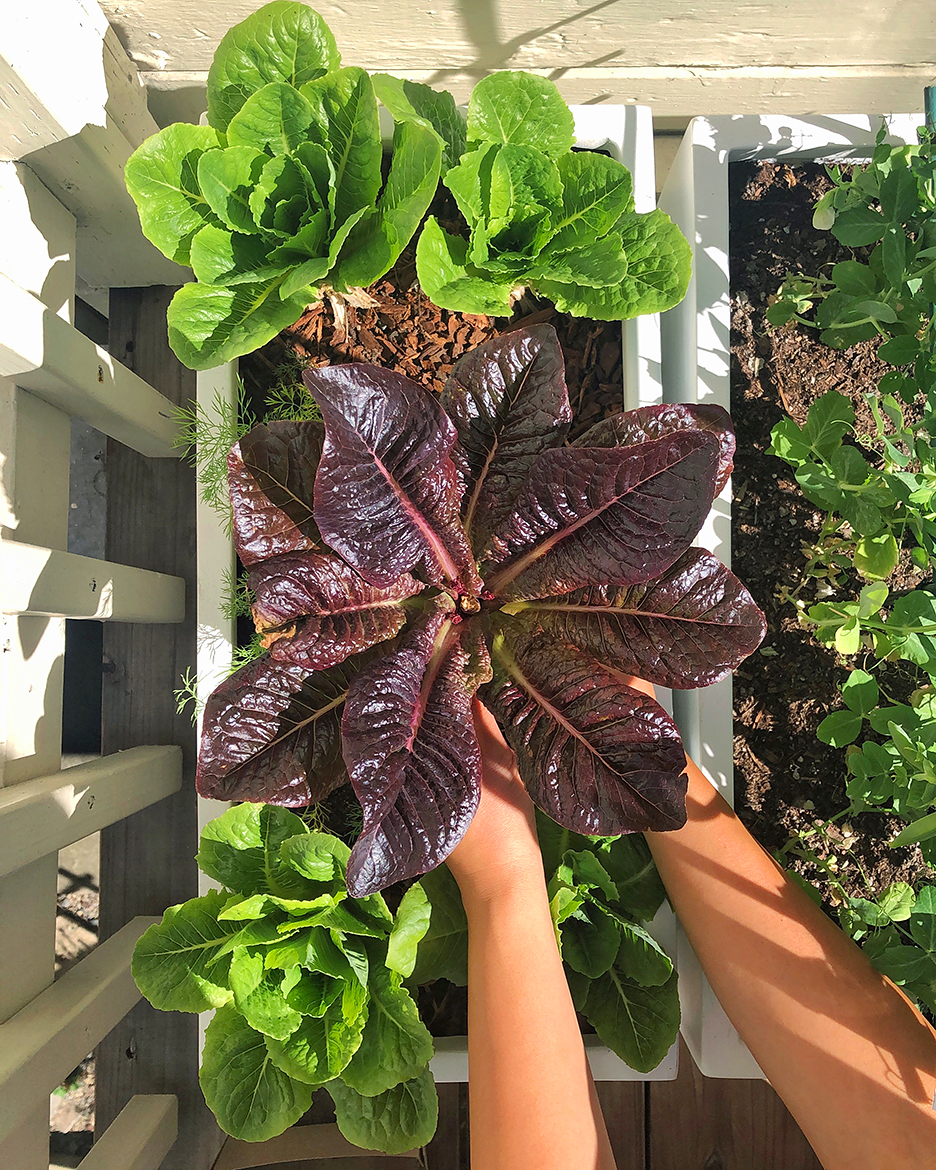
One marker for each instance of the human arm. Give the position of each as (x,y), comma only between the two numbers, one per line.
(852,1059)
(533,1104)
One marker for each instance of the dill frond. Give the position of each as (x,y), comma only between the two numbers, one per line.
(290,402)
(206,435)
(244,654)
(187,694)
(236,595)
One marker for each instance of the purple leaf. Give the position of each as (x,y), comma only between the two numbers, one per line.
(272,733)
(598,756)
(387,491)
(412,752)
(687,628)
(653,422)
(509,402)
(590,516)
(315,611)
(271,473)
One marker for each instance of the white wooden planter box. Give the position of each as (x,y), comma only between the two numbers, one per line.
(626,133)
(696,363)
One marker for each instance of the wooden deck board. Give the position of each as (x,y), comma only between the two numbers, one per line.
(699,1123)
(148,859)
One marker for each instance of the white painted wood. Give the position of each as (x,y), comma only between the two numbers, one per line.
(670,90)
(217,632)
(451,35)
(696,368)
(46,355)
(39,817)
(139,1137)
(73,109)
(46,581)
(44,1041)
(39,241)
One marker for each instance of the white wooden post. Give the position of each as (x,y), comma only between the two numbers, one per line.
(38,248)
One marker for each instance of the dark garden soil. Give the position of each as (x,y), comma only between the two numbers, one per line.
(786,779)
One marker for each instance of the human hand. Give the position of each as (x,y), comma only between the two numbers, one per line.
(500,847)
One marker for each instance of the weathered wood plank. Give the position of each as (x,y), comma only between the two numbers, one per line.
(138,1138)
(44,1041)
(623,1104)
(554,34)
(722,1125)
(448,1150)
(52,583)
(41,816)
(51,358)
(147,860)
(298,1144)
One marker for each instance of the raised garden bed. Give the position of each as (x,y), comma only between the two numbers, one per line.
(609,368)
(760,520)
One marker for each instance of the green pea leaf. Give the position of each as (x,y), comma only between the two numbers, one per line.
(860,692)
(897,901)
(830,418)
(252,1099)
(858,226)
(854,278)
(920,830)
(395,1122)
(411,923)
(899,351)
(848,638)
(840,728)
(876,557)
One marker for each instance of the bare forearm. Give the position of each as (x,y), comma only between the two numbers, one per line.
(533,1102)
(853,1060)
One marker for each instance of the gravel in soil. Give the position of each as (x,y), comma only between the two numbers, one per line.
(786,779)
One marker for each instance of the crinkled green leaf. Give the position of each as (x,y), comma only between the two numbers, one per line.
(281,180)
(630,865)
(470,182)
(443,951)
(282,41)
(314,993)
(321,1047)
(317,856)
(376,242)
(252,1099)
(595,264)
(658,267)
(346,108)
(401,1119)
(590,941)
(209,326)
(174,960)
(638,1023)
(641,958)
(522,108)
(596,193)
(240,849)
(162,177)
(227,177)
(396,1045)
(448,281)
(410,925)
(223,257)
(258,995)
(409,101)
(275,119)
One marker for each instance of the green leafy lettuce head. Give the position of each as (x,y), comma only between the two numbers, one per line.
(541,216)
(282,193)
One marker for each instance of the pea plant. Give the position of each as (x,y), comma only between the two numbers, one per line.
(876,493)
